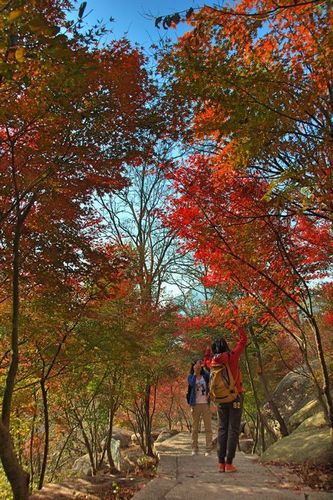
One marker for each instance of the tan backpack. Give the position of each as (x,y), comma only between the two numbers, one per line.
(222,387)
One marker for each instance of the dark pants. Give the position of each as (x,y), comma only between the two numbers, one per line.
(230,415)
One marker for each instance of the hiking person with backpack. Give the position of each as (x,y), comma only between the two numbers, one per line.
(198,399)
(225,386)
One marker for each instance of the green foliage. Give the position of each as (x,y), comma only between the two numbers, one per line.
(5,489)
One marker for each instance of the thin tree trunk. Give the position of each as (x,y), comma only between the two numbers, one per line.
(316,384)
(186,418)
(108,440)
(148,436)
(256,435)
(262,434)
(32,443)
(18,478)
(326,379)
(254,432)
(10,381)
(89,449)
(47,434)
(257,403)
(151,416)
(268,394)
(139,428)
(259,416)
(60,454)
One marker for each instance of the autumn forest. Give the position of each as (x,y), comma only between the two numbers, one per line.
(147,203)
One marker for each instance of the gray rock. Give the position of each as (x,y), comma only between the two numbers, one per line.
(123,436)
(316,421)
(296,399)
(246,445)
(163,435)
(310,445)
(130,458)
(293,392)
(134,438)
(115,452)
(82,466)
(308,410)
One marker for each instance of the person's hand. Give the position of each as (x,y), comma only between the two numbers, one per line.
(234,323)
(208,352)
(197,367)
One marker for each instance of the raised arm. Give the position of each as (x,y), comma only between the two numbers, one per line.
(238,349)
(240,346)
(208,356)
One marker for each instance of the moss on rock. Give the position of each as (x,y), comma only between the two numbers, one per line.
(315,421)
(308,410)
(311,445)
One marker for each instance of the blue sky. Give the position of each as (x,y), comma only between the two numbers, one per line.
(130,17)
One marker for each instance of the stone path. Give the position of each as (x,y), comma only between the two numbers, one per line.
(181,476)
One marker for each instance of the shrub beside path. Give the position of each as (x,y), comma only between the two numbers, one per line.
(182,476)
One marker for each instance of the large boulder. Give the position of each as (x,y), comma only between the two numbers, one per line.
(246,445)
(297,400)
(309,439)
(312,445)
(130,458)
(82,466)
(310,409)
(115,452)
(122,435)
(316,421)
(294,391)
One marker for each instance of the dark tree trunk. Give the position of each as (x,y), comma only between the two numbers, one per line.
(257,403)
(18,478)
(326,389)
(47,434)
(89,449)
(262,434)
(186,418)
(268,394)
(108,441)
(148,436)
(256,435)
(32,472)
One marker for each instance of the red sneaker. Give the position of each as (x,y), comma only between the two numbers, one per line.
(221,467)
(230,468)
